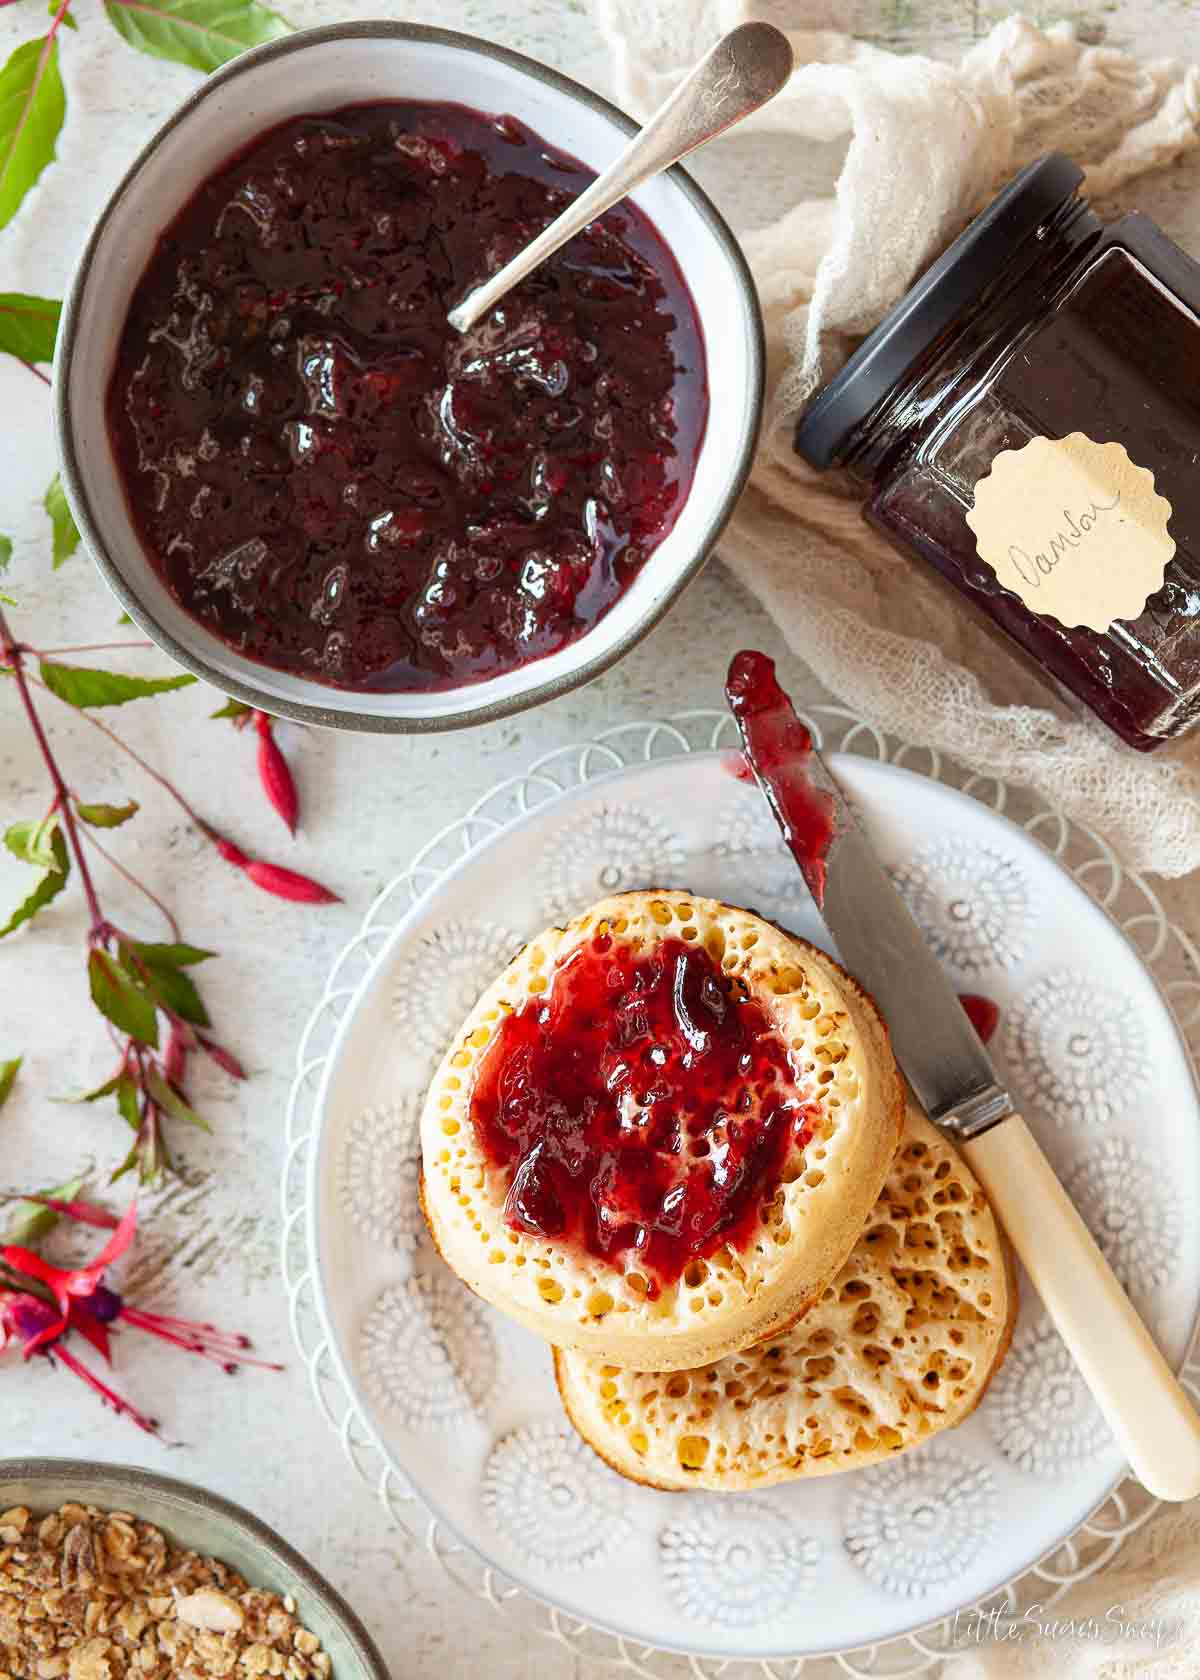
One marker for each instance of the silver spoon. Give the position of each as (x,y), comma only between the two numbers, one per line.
(745,69)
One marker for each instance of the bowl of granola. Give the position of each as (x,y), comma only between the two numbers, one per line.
(107,1572)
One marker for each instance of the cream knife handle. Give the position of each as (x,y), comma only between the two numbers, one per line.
(1155,1423)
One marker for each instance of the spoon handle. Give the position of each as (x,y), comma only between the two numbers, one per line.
(745,69)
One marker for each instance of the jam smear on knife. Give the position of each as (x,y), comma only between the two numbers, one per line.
(778,748)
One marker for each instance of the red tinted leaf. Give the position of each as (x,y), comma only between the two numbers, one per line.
(223,1058)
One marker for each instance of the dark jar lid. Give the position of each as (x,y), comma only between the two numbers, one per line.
(953,282)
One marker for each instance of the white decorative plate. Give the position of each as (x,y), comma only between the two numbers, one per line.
(452,1411)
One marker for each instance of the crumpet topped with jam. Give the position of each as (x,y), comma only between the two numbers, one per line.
(644,1104)
(657,1135)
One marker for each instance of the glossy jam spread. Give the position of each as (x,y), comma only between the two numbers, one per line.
(645,1108)
(333,480)
(777,749)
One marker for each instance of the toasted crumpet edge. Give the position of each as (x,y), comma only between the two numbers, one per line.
(682,1349)
(820,1466)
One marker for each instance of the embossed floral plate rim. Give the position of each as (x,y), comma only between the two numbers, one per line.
(1133,908)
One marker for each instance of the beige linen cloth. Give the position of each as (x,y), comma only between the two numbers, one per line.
(926,144)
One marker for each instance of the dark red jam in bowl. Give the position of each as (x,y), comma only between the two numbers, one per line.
(644,1108)
(334,481)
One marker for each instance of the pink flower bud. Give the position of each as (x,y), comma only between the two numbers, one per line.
(278,783)
(285,883)
(229,851)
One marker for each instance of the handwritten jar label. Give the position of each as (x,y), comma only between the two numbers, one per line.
(1074,528)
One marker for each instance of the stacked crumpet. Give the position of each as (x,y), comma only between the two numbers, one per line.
(671,1139)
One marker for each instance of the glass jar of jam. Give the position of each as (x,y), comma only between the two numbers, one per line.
(1027,419)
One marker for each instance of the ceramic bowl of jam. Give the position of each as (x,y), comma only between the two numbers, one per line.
(310,490)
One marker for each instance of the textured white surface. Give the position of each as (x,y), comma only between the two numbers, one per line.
(368,805)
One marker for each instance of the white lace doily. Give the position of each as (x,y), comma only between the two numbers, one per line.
(441,1404)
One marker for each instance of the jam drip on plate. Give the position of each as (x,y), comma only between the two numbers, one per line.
(982,1012)
(645,1108)
(334,481)
(778,748)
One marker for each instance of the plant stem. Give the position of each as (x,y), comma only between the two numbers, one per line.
(34,370)
(89,647)
(63,8)
(155,775)
(15,658)
(141,886)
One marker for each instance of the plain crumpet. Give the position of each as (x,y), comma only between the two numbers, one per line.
(903,1344)
(658,1134)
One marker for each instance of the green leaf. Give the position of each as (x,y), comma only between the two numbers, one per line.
(106,816)
(8,1073)
(49,886)
(232,709)
(31,1221)
(28,326)
(201,33)
(32,108)
(79,686)
(179,994)
(170,956)
(127,1102)
(127,1165)
(170,986)
(97,1091)
(118,995)
(33,842)
(169,1100)
(67,18)
(66,532)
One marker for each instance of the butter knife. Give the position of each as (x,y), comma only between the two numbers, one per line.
(955,1080)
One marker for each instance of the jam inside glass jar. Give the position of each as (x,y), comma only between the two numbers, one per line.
(1041,321)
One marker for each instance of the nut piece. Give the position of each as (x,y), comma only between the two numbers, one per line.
(214,1611)
(12,1525)
(77,1566)
(89,1595)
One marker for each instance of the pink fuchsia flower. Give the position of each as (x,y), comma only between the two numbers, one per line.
(26,1320)
(71,1289)
(36,1325)
(79,1300)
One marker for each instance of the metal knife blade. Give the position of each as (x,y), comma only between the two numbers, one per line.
(933,1041)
